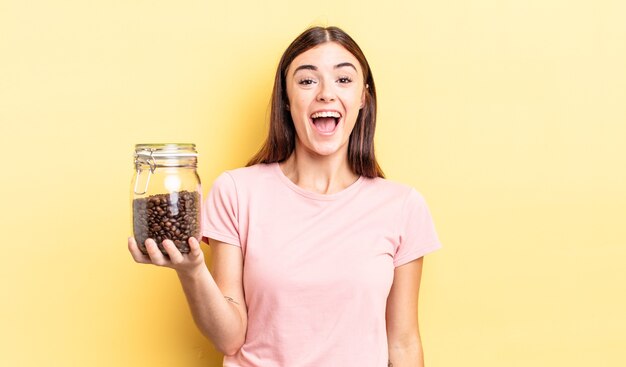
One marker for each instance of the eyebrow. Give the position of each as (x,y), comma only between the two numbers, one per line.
(344,64)
(313,67)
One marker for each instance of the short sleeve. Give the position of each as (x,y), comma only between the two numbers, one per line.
(417,234)
(220,212)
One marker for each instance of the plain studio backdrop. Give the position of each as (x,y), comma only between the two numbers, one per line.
(509,116)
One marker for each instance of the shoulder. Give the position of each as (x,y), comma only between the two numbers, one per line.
(246,178)
(251,172)
(392,190)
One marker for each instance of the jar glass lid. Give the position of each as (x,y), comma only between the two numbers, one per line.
(166,150)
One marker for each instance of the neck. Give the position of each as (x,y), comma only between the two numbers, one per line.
(320,174)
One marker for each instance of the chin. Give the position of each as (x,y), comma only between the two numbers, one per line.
(326,150)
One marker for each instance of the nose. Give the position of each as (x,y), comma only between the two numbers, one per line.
(326,93)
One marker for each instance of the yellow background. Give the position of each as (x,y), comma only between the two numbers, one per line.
(509,116)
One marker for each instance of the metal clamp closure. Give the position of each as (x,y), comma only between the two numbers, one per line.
(138,163)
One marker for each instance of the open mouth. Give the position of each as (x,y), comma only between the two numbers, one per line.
(325,122)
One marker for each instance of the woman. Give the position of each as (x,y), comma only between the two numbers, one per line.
(316,257)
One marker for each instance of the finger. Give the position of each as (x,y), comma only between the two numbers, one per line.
(175,256)
(138,256)
(155,254)
(194,247)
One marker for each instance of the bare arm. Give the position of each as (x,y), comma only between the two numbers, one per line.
(405,345)
(216,301)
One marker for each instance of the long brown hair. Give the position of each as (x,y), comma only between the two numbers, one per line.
(281,140)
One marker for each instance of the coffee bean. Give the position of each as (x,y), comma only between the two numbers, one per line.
(167,216)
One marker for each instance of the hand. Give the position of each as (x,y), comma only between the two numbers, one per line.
(185,263)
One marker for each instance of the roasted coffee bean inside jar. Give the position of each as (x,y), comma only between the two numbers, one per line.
(174,216)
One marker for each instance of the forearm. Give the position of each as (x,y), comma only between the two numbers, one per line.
(403,336)
(406,355)
(216,317)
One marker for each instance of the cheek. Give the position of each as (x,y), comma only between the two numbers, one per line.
(292,99)
(298,115)
(299,106)
(295,108)
(354,98)
(354,103)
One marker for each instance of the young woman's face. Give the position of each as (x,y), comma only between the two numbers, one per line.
(326,91)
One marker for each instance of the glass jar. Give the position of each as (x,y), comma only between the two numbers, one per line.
(166,195)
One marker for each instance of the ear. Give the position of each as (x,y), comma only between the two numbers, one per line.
(363,95)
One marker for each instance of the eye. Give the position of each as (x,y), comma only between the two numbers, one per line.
(306,81)
(344,80)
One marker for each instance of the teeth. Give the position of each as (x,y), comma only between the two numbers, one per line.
(334,114)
